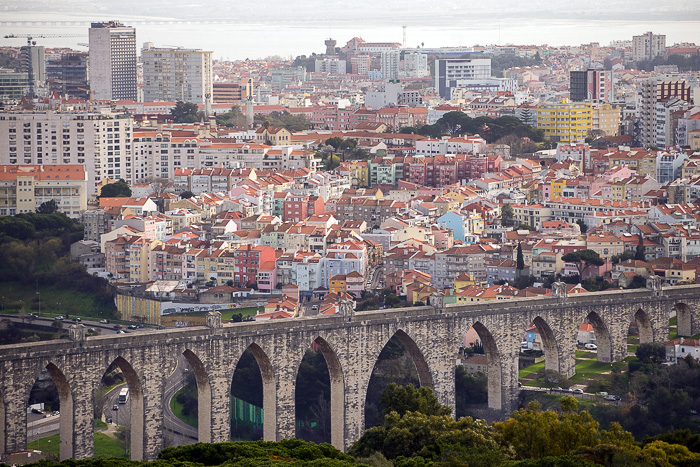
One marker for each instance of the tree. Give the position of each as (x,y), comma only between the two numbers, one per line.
(47,207)
(520,261)
(507,215)
(186,194)
(118,189)
(582,225)
(402,399)
(640,252)
(158,185)
(651,352)
(583,259)
(335,142)
(186,112)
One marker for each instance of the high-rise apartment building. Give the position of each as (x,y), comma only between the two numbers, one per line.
(565,122)
(99,140)
(391,59)
(648,46)
(651,92)
(112,61)
(451,73)
(591,85)
(176,74)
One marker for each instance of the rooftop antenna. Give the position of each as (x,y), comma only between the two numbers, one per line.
(404,35)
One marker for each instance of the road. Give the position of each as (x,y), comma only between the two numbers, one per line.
(180,432)
(48,322)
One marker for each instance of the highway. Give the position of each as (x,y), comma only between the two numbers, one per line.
(179,431)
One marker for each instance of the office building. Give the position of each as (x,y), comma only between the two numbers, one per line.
(23,188)
(228,93)
(67,74)
(565,122)
(99,140)
(34,57)
(648,46)
(591,85)
(113,61)
(453,73)
(176,74)
(13,85)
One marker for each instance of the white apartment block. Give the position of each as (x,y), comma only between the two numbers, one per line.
(159,154)
(391,60)
(112,61)
(99,140)
(333,66)
(176,74)
(648,46)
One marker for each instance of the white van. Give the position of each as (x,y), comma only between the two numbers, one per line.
(591,347)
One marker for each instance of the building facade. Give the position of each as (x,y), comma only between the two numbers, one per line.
(177,74)
(113,61)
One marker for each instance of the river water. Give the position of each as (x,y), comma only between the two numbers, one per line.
(255,38)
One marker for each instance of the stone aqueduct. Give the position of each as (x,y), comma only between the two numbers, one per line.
(350,343)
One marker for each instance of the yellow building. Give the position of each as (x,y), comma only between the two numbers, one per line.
(138,258)
(338,284)
(557,188)
(606,117)
(463,281)
(618,190)
(565,122)
(360,173)
(23,188)
(141,309)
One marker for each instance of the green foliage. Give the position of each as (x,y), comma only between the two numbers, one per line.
(185,112)
(534,434)
(336,141)
(491,129)
(290,122)
(469,390)
(507,215)
(232,119)
(186,194)
(623,257)
(651,352)
(582,225)
(683,63)
(584,259)
(241,453)
(520,260)
(526,227)
(427,436)
(402,399)
(118,189)
(47,207)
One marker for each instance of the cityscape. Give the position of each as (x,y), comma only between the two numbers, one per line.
(362,233)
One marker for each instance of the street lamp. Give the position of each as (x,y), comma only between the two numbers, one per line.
(39,295)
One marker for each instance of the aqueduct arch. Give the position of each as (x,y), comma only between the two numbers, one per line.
(646,330)
(269,390)
(137,415)
(493,362)
(337,379)
(204,398)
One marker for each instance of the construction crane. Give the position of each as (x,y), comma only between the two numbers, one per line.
(30,43)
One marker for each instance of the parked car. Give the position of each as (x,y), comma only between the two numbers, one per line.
(77,320)
(591,347)
(557,389)
(612,397)
(104,321)
(117,326)
(59,318)
(132,326)
(578,391)
(115,407)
